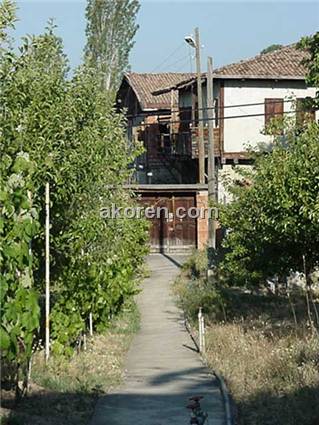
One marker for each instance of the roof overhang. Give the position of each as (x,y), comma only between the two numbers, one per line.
(185,84)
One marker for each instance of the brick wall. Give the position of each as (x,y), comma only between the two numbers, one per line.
(202,223)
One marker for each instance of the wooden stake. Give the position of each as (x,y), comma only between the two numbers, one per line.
(200,329)
(91,324)
(47,271)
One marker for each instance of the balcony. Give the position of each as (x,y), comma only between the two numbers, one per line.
(194,141)
(185,144)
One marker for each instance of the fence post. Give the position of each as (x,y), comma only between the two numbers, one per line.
(200,329)
(91,324)
(47,271)
(203,335)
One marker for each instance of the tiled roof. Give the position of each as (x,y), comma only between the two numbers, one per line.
(145,84)
(283,63)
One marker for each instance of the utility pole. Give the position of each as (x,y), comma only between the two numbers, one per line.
(211,163)
(201,147)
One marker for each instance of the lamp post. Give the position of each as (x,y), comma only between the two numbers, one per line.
(195,43)
(211,246)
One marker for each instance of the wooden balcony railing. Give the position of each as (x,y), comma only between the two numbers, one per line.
(185,144)
(217,144)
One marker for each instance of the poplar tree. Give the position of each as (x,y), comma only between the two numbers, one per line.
(110,31)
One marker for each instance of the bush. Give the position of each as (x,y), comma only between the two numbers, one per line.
(196,264)
(193,290)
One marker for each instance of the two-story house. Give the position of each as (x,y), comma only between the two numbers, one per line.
(246,96)
(165,175)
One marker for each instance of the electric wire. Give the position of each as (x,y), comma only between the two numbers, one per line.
(191,121)
(213,107)
(168,57)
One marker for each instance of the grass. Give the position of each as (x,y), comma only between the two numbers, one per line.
(66,390)
(271,366)
(273,379)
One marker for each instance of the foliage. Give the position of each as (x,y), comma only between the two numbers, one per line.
(110,32)
(196,264)
(63,131)
(19,300)
(274,220)
(193,290)
(311,45)
(270,365)
(7,19)
(271,48)
(69,387)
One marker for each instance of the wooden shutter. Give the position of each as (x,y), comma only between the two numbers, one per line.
(274,108)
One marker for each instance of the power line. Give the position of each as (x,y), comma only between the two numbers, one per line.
(168,57)
(176,62)
(142,114)
(183,65)
(231,117)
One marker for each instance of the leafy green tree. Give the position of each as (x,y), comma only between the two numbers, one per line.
(7,19)
(274,220)
(19,309)
(64,131)
(271,48)
(311,45)
(110,32)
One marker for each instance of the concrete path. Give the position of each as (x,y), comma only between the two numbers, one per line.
(163,367)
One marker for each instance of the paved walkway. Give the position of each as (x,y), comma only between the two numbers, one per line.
(163,368)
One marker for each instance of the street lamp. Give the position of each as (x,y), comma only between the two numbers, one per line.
(195,43)
(189,40)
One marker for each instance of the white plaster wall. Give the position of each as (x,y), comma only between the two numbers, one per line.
(241,132)
(185,97)
(228,174)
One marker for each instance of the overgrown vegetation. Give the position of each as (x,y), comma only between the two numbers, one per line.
(271,365)
(273,379)
(65,391)
(61,130)
(273,220)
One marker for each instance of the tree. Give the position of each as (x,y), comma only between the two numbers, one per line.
(271,48)
(64,131)
(311,45)
(274,221)
(110,32)
(7,19)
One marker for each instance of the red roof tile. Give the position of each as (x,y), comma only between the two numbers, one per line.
(285,62)
(145,84)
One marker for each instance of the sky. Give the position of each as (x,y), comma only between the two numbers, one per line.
(229,30)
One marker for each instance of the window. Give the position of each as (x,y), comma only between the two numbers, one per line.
(305,111)
(274,108)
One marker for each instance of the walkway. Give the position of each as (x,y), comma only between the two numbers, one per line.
(163,368)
